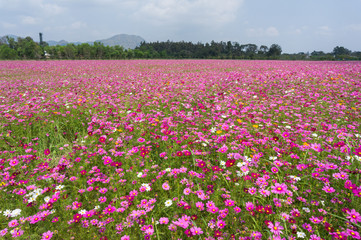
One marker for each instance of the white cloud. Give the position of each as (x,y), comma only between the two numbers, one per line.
(324,31)
(28,20)
(199,12)
(261,32)
(272,32)
(354,27)
(52,8)
(8,25)
(78,25)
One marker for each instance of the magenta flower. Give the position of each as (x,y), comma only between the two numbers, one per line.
(354,216)
(279,188)
(165,186)
(275,228)
(14,162)
(46,151)
(249,206)
(47,235)
(3,232)
(187,191)
(196,231)
(221,224)
(102,138)
(163,220)
(353,234)
(223,149)
(13,223)
(17,233)
(328,189)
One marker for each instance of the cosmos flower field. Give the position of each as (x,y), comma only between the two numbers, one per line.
(170,149)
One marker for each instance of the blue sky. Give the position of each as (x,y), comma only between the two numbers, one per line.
(296,25)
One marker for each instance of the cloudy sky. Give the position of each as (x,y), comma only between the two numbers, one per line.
(296,25)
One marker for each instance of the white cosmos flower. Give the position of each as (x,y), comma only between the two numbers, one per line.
(82,212)
(59,187)
(7,212)
(306,209)
(168,203)
(301,235)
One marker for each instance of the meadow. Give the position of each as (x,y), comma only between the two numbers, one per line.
(180,149)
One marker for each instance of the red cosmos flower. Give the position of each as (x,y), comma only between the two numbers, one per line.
(47,151)
(116,164)
(201,164)
(215,169)
(230,162)
(179,153)
(102,138)
(77,217)
(217,233)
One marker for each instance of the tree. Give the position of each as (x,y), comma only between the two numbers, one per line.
(263,50)
(7,53)
(28,49)
(341,51)
(274,51)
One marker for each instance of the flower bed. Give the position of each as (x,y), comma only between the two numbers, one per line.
(170,149)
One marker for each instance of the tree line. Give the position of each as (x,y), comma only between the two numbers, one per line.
(27,48)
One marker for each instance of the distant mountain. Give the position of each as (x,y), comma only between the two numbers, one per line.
(125,40)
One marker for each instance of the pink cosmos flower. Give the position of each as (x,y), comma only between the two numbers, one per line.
(249,206)
(103,190)
(13,223)
(165,186)
(34,219)
(252,190)
(102,199)
(221,224)
(47,235)
(14,162)
(196,231)
(17,233)
(354,216)
(279,188)
(237,209)
(200,205)
(229,203)
(353,234)
(223,149)
(274,170)
(3,232)
(328,189)
(187,191)
(275,228)
(163,220)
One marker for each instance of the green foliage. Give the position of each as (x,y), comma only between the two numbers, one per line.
(26,48)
